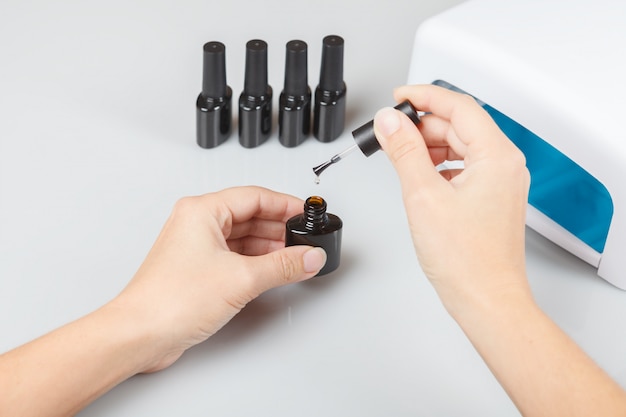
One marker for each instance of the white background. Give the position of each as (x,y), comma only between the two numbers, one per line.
(97,142)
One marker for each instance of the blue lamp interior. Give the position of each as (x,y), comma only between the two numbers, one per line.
(560,188)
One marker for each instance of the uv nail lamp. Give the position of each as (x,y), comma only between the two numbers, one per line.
(552,74)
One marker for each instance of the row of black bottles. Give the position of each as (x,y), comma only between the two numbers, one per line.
(214,110)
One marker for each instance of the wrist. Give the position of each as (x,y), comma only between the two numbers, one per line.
(482,298)
(137,337)
(81,361)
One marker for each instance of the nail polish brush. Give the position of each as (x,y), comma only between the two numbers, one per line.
(365,139)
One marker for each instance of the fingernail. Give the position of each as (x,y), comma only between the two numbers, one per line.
(387,121)
(314,259)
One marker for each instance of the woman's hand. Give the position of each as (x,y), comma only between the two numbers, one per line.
(216,253)
(468,229)
(467,225)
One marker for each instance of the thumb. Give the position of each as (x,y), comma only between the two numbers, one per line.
(286,265)
(405,147)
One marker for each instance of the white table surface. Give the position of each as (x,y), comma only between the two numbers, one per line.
(97,142)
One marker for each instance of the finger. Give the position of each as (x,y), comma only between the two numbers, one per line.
(440,101)
(253,246)
(248,202)
(405,147)
(449,174)
(439,133)
(291,264)
(439,155)
(268,229)
(461,110)
(239,204)
(438,136)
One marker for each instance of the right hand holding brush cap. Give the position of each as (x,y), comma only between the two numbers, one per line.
(467,225)
(468,229)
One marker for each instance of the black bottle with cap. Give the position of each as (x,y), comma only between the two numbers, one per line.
(316,227)
(213,106)
(255,101)
(294,117)
(330,95)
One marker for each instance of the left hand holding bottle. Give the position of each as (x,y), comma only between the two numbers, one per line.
(216,253)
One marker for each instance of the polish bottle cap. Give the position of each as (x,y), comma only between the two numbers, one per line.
(366,139)
(331,73)
(255,82)
(296,78)
(214,70)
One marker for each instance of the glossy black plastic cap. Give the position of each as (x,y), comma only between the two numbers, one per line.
(213,106)
(330,95)
(366,139)
(255,83)
(294,117)
(214,70)
(296,74)
(331,71)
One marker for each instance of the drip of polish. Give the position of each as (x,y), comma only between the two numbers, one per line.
(255,101)
(213,106)
(294,117)
(365,139)
(329,111)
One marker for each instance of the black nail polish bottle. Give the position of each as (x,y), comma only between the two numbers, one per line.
(213,107)
(255,102)
(330,95)
(294,117)
(316,227)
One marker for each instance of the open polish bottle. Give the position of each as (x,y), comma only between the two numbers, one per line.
(316,227)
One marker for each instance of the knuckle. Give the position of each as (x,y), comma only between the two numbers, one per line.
(401,149)
(184,205)
(468,99)
(248,279)
(286,266)
(418,200)
(519,160)
(515,164)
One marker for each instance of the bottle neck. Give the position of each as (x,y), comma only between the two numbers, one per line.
(315,216)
